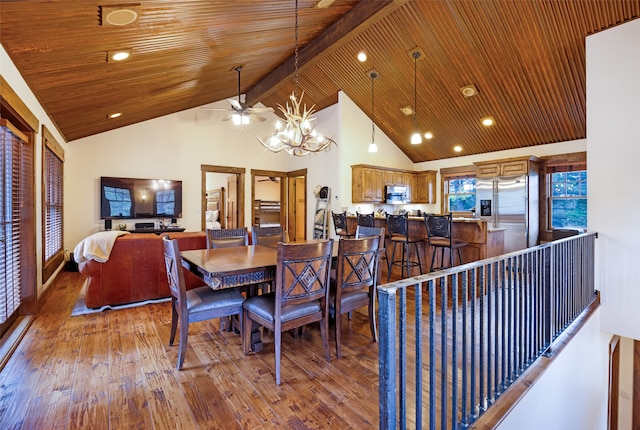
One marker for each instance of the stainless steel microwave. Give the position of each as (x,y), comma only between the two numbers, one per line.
(395,195)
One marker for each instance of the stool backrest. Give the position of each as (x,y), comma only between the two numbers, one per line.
(340,222)
(398,225)
(366,220)
(438,226)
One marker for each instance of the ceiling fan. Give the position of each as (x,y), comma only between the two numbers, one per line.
(270,179)
(240,112)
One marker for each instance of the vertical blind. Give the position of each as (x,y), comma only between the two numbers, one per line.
(15,179)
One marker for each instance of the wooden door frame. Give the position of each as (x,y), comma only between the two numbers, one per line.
(283,192)
(239,172)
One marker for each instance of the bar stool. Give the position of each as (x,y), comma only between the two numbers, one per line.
(439,236)
(398,228)
(340,224)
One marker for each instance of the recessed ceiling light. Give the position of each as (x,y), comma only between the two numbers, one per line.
(428,135)
(114,115)
(120,15)
(457,148)
(118,55)
(488,121)
(407,110)
(362,56)
(469,90)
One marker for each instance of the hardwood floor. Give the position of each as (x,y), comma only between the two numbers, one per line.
(115,370)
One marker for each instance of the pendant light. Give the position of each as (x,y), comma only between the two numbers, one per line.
(416,138)
(372,146)
(297,135)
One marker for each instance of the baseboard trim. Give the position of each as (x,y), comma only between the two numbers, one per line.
(12,338)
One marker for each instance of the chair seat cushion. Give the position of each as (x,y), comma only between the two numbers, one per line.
(350,297)
(205,299)
(440,241)
(264,307)
(403,238)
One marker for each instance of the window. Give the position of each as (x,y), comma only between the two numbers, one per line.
(460,194)
(52,186)
(119,201)
(165,202)
(568,192)
(16,216)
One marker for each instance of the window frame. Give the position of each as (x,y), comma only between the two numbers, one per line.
(575,161)
(552,197)
(454,173)
(52,197)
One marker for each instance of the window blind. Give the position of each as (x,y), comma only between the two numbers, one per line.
(15,186)
(52,204)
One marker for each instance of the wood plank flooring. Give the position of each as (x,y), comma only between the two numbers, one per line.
(115,370)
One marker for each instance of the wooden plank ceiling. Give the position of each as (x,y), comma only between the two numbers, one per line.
(526,58)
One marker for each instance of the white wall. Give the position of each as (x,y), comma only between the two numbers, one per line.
(613,116)
(17,83)
(572,392)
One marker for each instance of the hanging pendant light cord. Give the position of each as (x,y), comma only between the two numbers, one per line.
(415,89)
(373,115)
(295,79)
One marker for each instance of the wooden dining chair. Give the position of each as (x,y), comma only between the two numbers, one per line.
(226,237)
(300,298)
(196,304)
(268,236)
(363,231)
(355,283)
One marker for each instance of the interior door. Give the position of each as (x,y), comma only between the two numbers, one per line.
(232,202)
(297,206)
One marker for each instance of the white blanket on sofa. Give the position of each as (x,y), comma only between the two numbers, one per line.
(97,246)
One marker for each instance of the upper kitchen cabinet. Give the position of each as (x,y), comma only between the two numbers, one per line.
(367,184)
(507,167)
(425,187)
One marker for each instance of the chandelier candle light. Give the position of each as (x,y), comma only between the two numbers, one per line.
(298,135)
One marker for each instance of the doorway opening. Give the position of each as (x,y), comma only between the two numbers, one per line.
(222,196)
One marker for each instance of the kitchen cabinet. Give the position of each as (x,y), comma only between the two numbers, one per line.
(425,187)
(409,181)
(366,185)
(508,167)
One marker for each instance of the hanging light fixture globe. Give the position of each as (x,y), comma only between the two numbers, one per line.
(416,138)
(297,135)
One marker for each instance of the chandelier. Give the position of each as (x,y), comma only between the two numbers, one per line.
(298,135)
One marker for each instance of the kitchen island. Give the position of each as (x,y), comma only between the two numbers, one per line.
(484,240)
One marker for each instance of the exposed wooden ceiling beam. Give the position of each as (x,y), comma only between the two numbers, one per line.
(361,17)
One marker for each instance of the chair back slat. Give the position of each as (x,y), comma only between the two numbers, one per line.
(303,271)
(357,263)
(227,237)
(268,236)
(175,275)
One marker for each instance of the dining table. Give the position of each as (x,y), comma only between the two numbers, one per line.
(236,267)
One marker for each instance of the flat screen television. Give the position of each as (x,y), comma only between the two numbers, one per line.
(130,198)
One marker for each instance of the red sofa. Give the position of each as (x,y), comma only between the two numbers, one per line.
(135,270)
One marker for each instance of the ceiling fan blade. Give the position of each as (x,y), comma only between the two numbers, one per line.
(256,117)
(218,109)
(235,104)
(260,109)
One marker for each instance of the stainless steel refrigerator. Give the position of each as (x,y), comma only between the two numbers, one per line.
(510,203)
